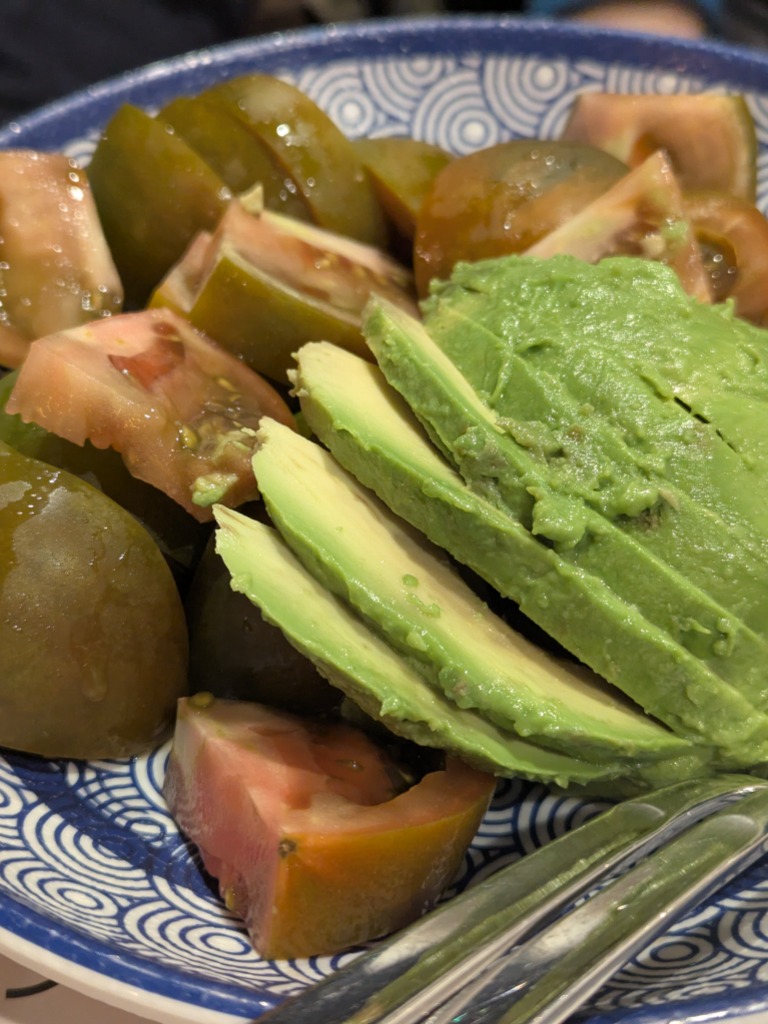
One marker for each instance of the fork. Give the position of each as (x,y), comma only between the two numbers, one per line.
(534,940)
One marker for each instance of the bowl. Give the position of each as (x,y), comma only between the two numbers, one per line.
(97,888)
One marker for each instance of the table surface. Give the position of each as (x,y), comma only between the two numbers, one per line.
(25,1002)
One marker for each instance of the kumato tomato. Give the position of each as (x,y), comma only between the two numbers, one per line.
(236,653)
(55,268)
(733,238)
(181,411)
(642,215)
(309,831)
(153,193)
(180,537)
(261,284)
(502,199)
(402,171)
(313,152)
(92,632)
(240,158)
(709,137)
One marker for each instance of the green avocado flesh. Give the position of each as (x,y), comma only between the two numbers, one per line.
(407,591)
(373,434)
(367,669)
(663,430)
(603,454)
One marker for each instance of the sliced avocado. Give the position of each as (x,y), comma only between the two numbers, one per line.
(407,590)
(643,214)
(711,138)
(506,473)
(362,665)
(374,435)
(645,403)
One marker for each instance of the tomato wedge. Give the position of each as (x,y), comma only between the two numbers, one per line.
(643,214)
(181,411)
(710,137)
(503,199)
(55,268)
(733,238)
(301,824)
(263,284)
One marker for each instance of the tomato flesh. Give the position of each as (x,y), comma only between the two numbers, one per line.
(55,268)
(643,214)
(181,411)
(733,237)
(301,824)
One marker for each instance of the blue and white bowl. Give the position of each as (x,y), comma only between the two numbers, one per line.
(97,889)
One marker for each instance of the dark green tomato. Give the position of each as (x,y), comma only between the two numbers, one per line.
(237,155)
(153,193)
(504,198)
(180,537)
(402,171)
(234,653)
(92,631)
(312,151)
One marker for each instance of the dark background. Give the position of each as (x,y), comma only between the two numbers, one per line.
(49,48)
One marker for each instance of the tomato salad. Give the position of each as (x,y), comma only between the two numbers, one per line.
(148,324)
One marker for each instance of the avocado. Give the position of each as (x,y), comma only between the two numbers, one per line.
(648,405)
(363,666)
(693,701)
(407,590)
(372,432)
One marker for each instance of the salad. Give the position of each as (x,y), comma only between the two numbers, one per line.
(190,257)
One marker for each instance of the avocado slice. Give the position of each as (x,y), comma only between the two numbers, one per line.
(364,667)
(645,403)
(408,591)
(373,433)
(509,477)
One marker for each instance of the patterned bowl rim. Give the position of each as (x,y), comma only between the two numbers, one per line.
(458,35)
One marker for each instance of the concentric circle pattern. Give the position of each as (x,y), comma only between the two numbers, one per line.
(93,871)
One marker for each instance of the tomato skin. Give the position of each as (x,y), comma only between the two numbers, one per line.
(153,193)
(733,235)
(504,198)
(314,863)
(239,157)
(92,632)
(181,411)
(55,268)
(402,171)
(313,151)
